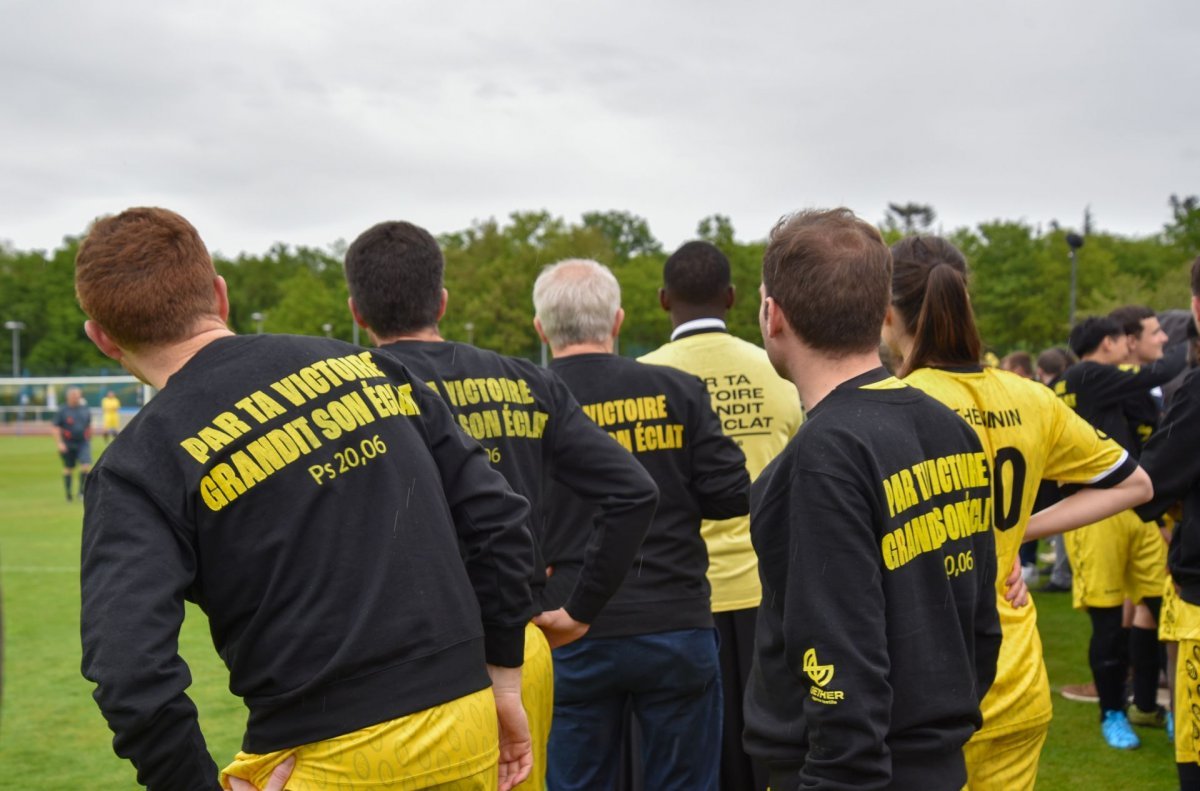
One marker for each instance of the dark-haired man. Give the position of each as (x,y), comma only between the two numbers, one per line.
(878,632)
(530,424)
(653,647)
(761,412)
(1120,557)
(1171,460)
(363,569)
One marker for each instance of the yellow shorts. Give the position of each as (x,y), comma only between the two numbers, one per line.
(1116,559)
(1187,702)
(537,694)
(454,746)
(1008,762)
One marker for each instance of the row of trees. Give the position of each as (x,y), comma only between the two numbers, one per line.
(1019,282)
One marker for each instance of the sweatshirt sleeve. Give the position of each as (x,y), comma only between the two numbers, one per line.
(720,482)
(1107,384)
(492,522)
(600,472)
(135,569)
(1171,458)
(835,634)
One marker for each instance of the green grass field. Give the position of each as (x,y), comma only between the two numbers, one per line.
(52,735)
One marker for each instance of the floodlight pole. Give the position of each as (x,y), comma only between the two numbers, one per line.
(1074,242)
(328,329)
(258,318)
(16,327)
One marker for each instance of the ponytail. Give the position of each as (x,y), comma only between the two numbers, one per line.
(929,289)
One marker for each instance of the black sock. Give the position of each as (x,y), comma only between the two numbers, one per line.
(67,484)
(1105,657)
(1143,655)
(1189,777)
(83,479)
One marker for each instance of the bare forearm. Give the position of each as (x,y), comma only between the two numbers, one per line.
(1090,505)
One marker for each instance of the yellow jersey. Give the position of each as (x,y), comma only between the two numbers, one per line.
(1030,435)
(760,411)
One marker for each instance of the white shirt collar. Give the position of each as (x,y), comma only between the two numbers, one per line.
(698,324)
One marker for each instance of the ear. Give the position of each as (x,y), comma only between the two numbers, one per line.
(889,317)
(107,346)
(620,317)
(442,305)
(773,320)
(222,292)
(664,301)
(537,326)
(730,297)
(358,319)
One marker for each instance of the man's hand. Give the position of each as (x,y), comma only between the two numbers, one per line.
(277,781)
(516,745)
(1017,592)
(559,627)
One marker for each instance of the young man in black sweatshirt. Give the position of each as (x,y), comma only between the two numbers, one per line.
(1121,557)
(362,567)
(530,425)
(1173,463)
(653,646)
(878,634)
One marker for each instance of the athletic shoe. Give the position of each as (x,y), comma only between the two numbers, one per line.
(1084,693)
(1147,719)
(1053,587)
(1170,727)
(1116,730)
(1029,573)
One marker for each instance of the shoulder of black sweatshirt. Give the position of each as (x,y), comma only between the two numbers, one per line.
(535,434)
(664,417)
(357,557)
(878,634)
(1172,461)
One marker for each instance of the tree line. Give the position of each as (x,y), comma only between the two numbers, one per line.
(1020,277)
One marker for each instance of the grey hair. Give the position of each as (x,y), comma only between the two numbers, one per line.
(576,301)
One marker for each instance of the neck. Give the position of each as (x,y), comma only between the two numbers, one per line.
(156,365)
(429,333)
(816,375)
(572,349)
(682,314)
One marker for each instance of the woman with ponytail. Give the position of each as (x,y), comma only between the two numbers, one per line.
(1029,435)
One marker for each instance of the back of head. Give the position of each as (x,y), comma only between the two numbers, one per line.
(830,274)
(929,290)
(145,277)
(1053,362)
(1196,277)
(1088,334)
(1020,363)
(576,301)
(697,274)
(394,273)
(1129,318)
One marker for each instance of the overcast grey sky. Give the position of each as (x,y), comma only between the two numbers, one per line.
(306,121)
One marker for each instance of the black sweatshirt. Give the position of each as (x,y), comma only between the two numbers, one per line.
(1172,460)
(535,433)
(355,553)
(665,418)
(1100,392)
(878,634)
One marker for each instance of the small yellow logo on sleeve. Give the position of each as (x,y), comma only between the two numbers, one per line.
(820,674)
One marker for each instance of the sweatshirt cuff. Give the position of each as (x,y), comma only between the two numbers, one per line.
(504,645)
(584,606)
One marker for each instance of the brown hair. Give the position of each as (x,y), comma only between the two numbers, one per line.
(145,277)
(929,289)
(1196,277)
(1018,362)
(830,274)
